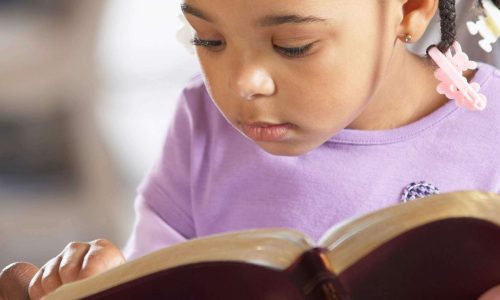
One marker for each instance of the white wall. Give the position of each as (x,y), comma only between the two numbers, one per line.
(143,69)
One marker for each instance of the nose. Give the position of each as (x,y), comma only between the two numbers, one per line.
(253,82)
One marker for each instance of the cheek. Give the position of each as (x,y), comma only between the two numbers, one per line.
(209,71)
(217,87)
(327,88)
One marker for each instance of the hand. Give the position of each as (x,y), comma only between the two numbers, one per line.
(491,294)
(77,261)
(15,280)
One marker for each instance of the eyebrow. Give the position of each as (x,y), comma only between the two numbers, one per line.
(274,20)
(266,21)
(188,9)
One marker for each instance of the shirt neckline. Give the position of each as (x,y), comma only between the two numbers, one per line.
(403,133)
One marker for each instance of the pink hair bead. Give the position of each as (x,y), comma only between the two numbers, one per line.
(452,82)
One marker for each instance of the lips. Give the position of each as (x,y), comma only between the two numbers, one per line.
(266,132)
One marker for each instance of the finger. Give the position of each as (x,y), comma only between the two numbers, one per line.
(72,260)
(50,277)
(15,280)
(492,294)
(101,257)
(35,288)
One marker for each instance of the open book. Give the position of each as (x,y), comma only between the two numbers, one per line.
(441,247)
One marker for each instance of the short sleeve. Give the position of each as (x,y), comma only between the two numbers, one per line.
(163,206)
(150,232)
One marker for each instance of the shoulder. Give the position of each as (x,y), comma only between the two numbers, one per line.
(195,108)
(195,86)
(194,94)
(197,101)
(204,119)
(483,128)
(489,78)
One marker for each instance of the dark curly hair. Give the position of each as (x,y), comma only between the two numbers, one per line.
(448,16)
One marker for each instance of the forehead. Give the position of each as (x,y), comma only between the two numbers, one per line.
(255,9)
(251,11)
(268,20)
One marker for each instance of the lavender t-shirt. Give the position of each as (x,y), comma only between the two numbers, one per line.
(210,179)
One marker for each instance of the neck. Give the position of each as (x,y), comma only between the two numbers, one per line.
(399,100)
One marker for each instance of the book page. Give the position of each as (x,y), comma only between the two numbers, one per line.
(353,239)
(273,248)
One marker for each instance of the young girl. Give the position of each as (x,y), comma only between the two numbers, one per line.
(308,112)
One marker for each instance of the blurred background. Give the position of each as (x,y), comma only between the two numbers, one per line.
(87,90)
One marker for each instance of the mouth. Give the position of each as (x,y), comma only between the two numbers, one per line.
(266,132)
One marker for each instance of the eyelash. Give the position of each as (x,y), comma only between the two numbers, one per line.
(289,52)
(206,43)
(296,51)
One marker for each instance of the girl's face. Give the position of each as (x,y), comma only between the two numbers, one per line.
(290,74)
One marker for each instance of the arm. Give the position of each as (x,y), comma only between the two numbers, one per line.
(163,206)
(150,232)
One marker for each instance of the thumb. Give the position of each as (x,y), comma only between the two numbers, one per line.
(15,280)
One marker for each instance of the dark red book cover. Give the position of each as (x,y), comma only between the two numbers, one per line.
(457,258)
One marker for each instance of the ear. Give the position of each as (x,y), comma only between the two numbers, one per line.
(417,15)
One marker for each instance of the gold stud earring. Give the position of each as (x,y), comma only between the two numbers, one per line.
(408,38)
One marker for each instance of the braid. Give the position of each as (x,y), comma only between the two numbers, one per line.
(448,15)
(448,30)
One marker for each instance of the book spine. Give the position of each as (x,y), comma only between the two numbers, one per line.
(312,274)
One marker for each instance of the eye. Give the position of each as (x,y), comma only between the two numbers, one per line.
(210,44)
(296,51)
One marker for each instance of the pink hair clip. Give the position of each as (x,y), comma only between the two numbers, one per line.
(453,84)
(487,26)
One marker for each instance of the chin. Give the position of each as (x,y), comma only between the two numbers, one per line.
(281,149)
